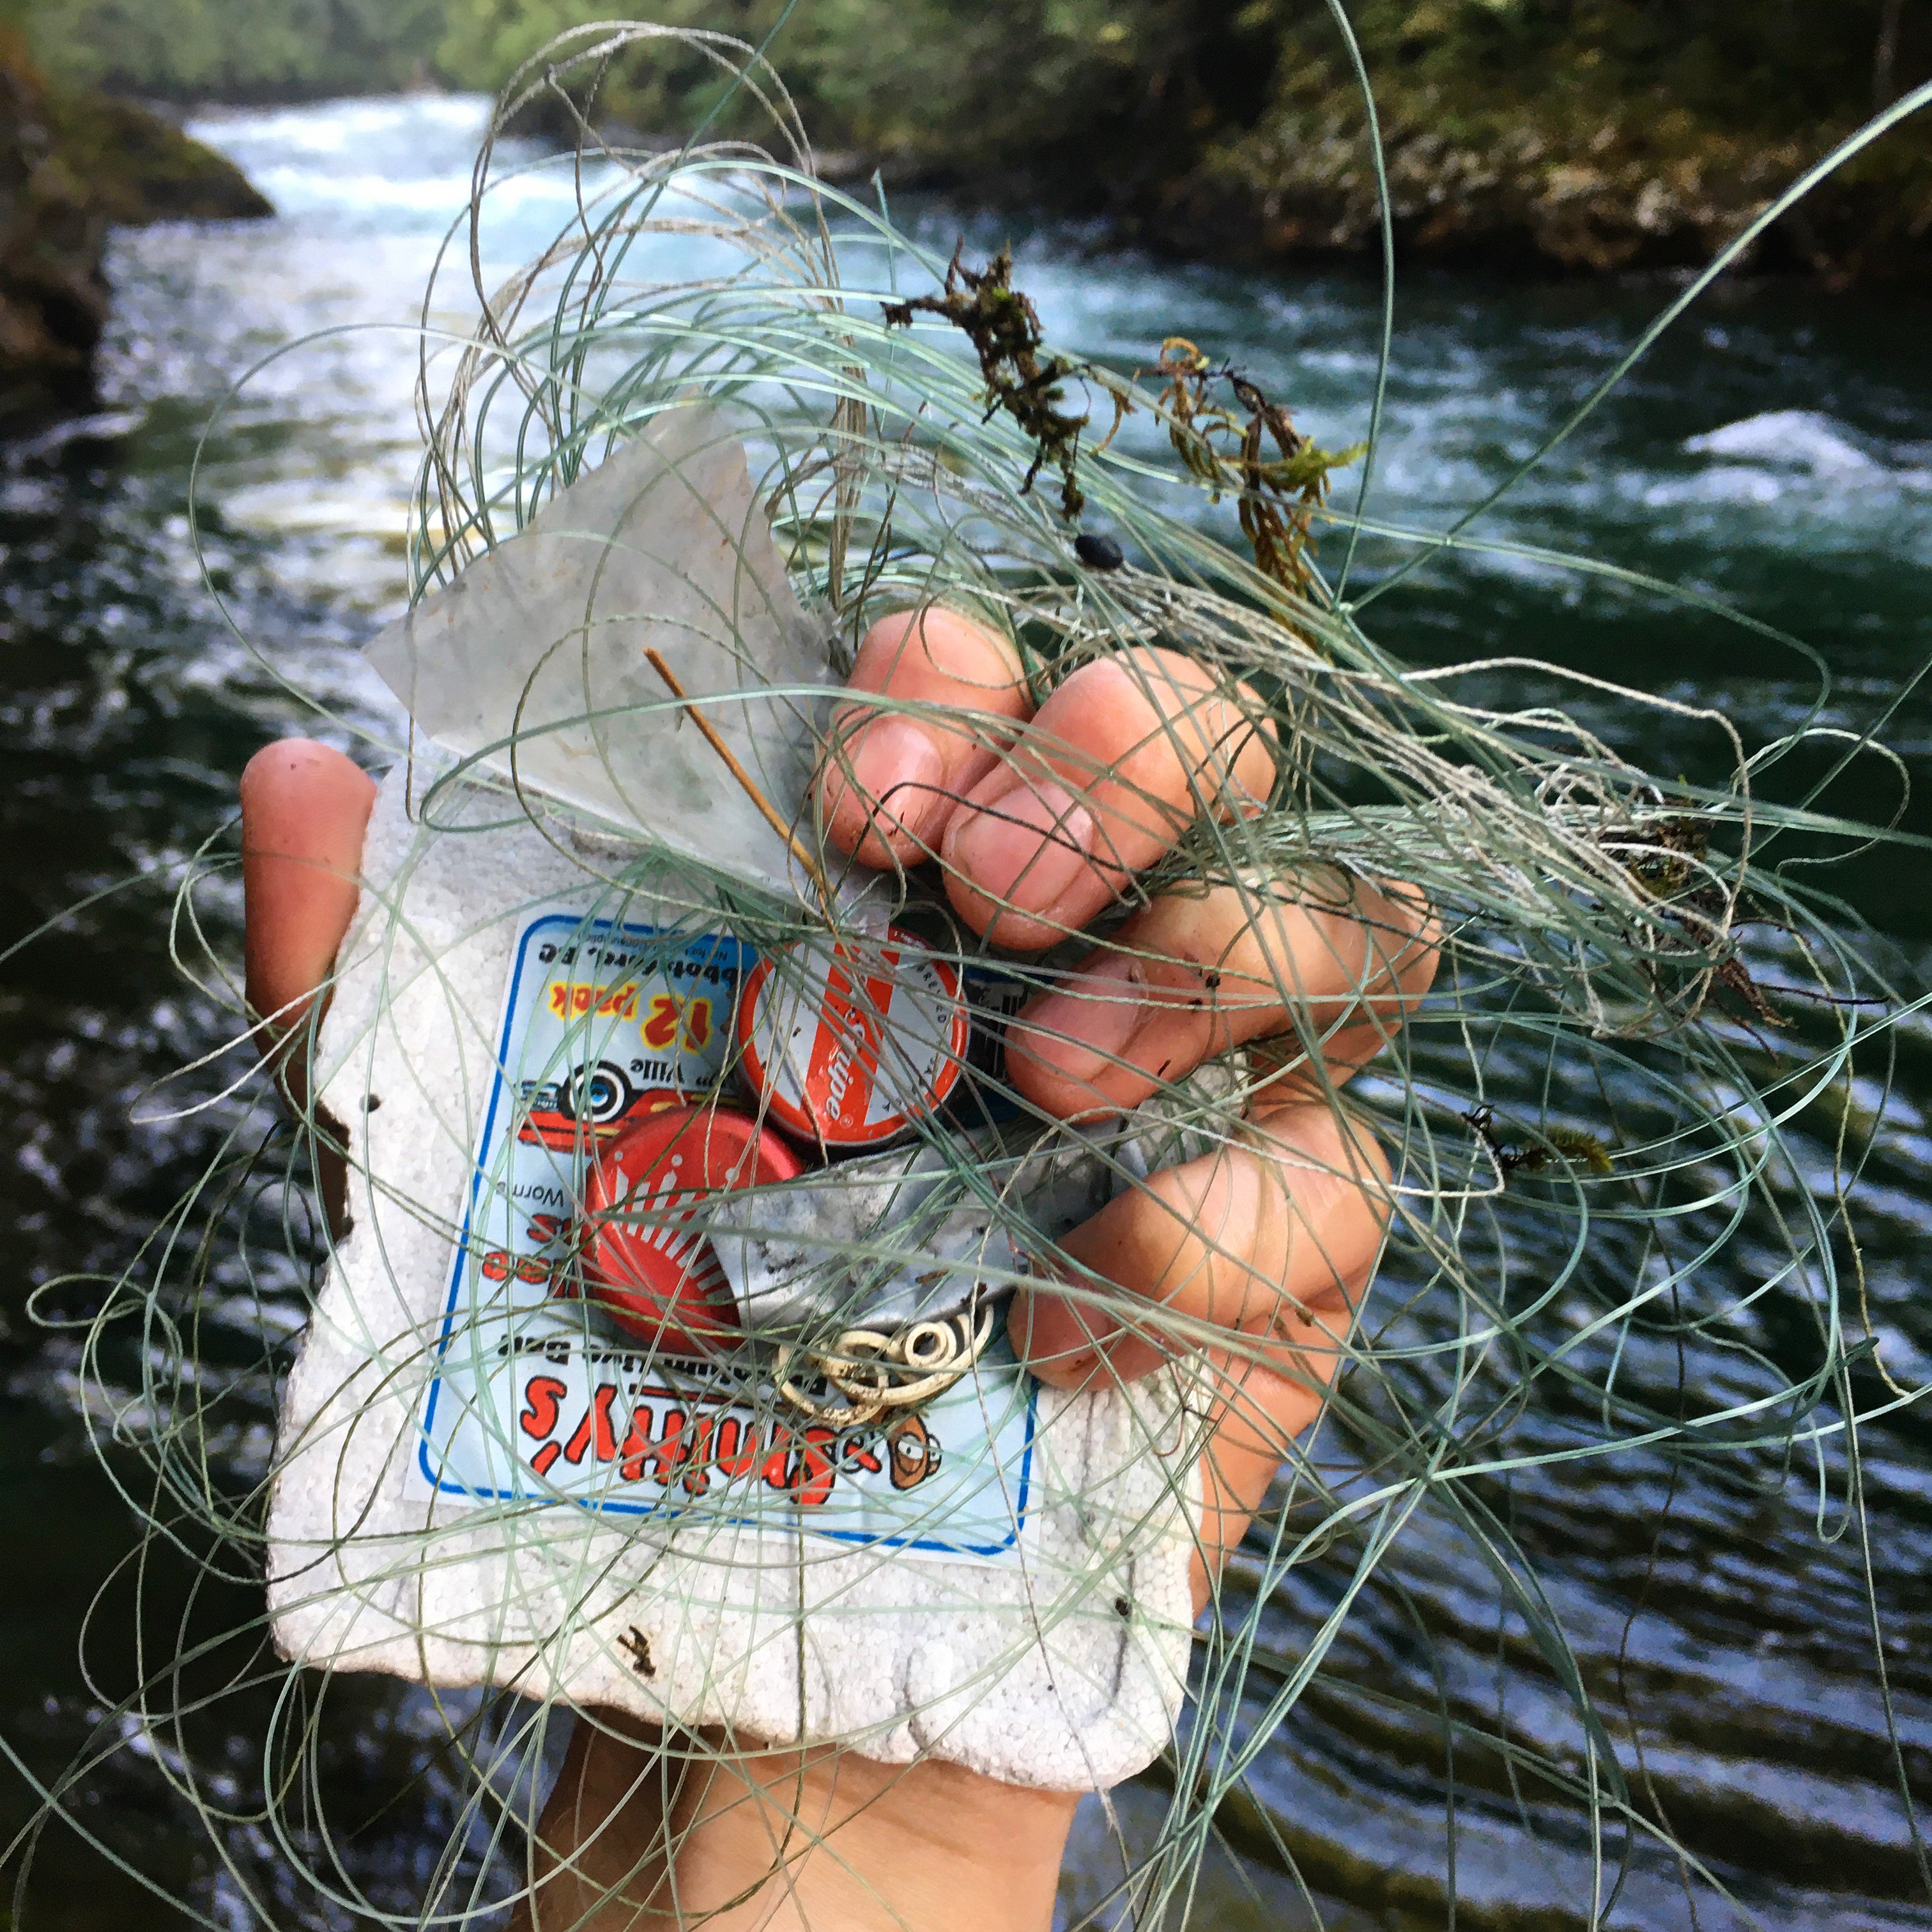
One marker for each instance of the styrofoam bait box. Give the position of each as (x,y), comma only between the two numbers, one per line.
(482,1480)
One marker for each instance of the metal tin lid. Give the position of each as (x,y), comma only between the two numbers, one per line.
(658,1275)
(847,1045)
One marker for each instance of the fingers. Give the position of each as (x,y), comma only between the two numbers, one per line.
(600,1839)
(891,777)
(646,1832)
(1272,1236)
(1040,824)
(1123,758)
(1254,1419)
(304,810)
(1195,974)
(1274,1239)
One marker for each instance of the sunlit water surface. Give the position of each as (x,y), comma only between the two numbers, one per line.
(1776,449)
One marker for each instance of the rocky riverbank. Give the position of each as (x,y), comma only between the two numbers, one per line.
(1574,177)
(73,163)
(1523,137)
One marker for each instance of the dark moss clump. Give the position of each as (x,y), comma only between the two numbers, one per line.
(1003,327)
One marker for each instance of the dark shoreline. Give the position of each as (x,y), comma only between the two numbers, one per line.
(118,160)
(74,164)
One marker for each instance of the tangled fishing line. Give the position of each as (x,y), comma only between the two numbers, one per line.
(629,1501)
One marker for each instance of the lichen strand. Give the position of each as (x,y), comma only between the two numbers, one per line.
(1669,858)
(1663,856)
(1004,328)
(1573,1146)
(1278,495)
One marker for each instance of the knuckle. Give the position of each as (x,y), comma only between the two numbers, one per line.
(940,652)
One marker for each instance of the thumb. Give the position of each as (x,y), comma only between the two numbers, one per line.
(304,810)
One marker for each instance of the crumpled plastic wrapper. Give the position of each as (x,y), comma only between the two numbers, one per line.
(533,662)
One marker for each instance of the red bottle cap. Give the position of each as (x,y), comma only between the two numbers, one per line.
(848,1045)
(660,1278)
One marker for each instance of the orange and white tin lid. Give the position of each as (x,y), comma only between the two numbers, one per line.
(646,1258)
(849,1044)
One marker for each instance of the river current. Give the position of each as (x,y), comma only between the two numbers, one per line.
(1774,450)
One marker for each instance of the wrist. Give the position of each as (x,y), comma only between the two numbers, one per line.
(648,1836)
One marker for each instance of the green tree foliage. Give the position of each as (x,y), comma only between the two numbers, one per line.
(1768,68)
(1589,134)
(1013,95)
(484,42)
(235,50)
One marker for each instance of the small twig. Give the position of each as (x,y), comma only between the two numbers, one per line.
(770,811)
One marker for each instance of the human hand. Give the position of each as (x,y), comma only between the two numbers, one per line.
(1040,821)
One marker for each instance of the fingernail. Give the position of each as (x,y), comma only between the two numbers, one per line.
(1025,850)
(897,766)
(1084,1028)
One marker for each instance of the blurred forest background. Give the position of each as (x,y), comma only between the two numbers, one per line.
(1540,134)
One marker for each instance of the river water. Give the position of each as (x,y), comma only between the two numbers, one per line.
(1776,450)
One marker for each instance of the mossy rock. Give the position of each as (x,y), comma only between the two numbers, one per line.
(72,165)
(139,168)
(53,296)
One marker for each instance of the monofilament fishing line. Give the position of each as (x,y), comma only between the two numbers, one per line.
(658,1361)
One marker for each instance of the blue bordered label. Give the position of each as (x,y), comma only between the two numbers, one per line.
(536,1397)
